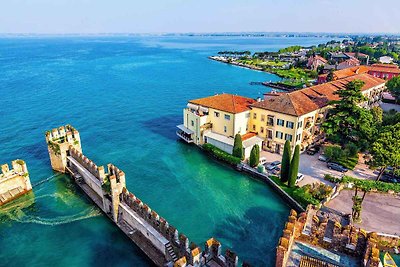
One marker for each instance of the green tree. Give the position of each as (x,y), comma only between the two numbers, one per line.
(294,166)
(238,147)
(386,149)
(394,87)
(377,114)
(329,77)
(254,156)
(285,162)
(347,121)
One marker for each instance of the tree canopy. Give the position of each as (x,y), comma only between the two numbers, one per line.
(386,148)
(347,121)
(393,86)
(254,156)
(238,147)
(285,162)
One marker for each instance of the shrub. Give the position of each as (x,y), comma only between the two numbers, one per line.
(285,162)
(369,185)
(221,155)
(331,178)
(238,147)
(254,156)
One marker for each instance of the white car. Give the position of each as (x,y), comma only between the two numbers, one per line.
(263,160)
(300,177)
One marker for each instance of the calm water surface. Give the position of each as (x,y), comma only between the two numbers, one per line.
(125,95)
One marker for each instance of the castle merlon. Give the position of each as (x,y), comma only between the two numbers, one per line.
(158,239)
(14,182)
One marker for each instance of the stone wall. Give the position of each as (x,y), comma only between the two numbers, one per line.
(328,234)
(59,141)
(14,182)
(124,207)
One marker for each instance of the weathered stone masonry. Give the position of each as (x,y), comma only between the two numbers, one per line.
(158,239)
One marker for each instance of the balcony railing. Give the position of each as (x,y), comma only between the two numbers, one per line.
(184,137)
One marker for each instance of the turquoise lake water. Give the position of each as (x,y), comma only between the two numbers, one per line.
(125,95)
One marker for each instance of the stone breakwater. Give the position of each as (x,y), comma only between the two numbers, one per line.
(158,239)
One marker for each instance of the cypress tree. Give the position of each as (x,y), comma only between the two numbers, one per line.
(294,167)
(254,156)
(285,162)
(238,147)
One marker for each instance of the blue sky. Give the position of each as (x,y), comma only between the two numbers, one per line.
(157,16)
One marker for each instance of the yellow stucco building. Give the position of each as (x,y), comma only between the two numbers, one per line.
(216,120)
(296,116)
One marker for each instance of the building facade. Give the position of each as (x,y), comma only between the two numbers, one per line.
(216,120)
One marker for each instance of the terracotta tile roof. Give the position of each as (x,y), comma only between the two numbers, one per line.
(392,66)
(248,135)
(340,74)
(225,102)
(388,68)
(306,100)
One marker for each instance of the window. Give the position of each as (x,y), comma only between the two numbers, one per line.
(262,129)
(280,122)
(228,117)
(270,121)
(192,123)
(289,124)
(270,134)
(300,124)
(279,135)
(288,137)
(216,114)
(262,117)
(298,137)
(225,129)
(254,127)
(254,115)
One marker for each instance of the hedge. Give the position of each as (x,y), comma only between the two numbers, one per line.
(221,155)
(367,185)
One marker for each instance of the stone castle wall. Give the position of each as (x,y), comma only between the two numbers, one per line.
(327,234)
(124,206)
(58,142)
(14,182)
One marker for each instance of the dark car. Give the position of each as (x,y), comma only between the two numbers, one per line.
(336,167)
(313,150)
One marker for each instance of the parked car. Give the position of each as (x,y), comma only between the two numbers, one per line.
(276,170)
(300,177)
(336,167)
(272,165)
(323,158)
(263,160)
(313,150)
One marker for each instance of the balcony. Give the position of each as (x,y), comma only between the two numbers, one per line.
(185,134)
(184,137)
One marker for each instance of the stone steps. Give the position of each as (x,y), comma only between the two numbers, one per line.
(171,252)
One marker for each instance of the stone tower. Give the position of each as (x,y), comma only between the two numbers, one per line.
(14,182)
(117,184)
(58,142)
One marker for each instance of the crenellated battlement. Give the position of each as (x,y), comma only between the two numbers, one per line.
(59,140)
(327,233)
(14,182)
(107,188)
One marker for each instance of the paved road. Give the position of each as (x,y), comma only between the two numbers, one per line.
(380,212)
(314,170)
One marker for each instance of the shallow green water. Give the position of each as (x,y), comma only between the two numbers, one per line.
(125,95)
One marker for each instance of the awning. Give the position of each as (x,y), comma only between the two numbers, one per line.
(183,128)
